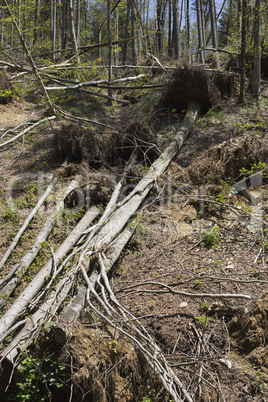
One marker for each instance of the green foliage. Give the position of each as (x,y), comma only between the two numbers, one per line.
(223,191)
(211,237)
(10,214)
(203,307)
(202,321)
(5,92)
(135,241)
(154,396)
(43,255)
(36,379)
(198,284)
(113,344)
(258,379)
(253,169)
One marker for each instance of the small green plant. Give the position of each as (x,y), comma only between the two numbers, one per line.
(153,396)
(261,125)
(113,344)
(133,244)
(198,284)
(203,307)
(10,215)
(258,379)
(36,379)
(253,168)
(211,237)
(224,190)
(202,321)
(217,263)
(247,209)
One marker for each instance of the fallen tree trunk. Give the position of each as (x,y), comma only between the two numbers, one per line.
(41,277)
(95,83)
(56,296)
(20,268)
(27,129)
(72,312)
(25,225)
(99,240)
(129,206)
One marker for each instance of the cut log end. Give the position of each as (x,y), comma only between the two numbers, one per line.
(60,336)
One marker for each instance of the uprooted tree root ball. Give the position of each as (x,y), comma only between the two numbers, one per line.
(249,331)
(224,161)
(106,368)
(77,142)
(140,137)
(193,84)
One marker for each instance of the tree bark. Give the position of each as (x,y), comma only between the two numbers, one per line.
(126,32)
(72,313)
(110,60)
(176,30)
(72,28)
(57,294)
(256,72)
(132,202)
(41,277)
(242,95)
(134,34)
(214,32)
(25,225)
(27,52)
(201,43)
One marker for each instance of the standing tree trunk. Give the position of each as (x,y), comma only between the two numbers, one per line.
(176,30)
(36,21)
(126,33)
(78,22)
(110,44)
(53,16)
(72,27)
(242,94)
(256,73)
(159,25)
(229,21)
(214,32)
(99,38)
(188,32)
(200,27)
(169,28)
(134,34)
(63,25)
(116,29)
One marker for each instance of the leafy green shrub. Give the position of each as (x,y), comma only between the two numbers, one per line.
(35,381)
(10,215)
(211,237)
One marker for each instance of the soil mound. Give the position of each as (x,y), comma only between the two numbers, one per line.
(108,368)
(5,88)
(194,84)
(249,331)
(224,161)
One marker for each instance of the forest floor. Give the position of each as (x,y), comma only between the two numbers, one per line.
(196,238)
